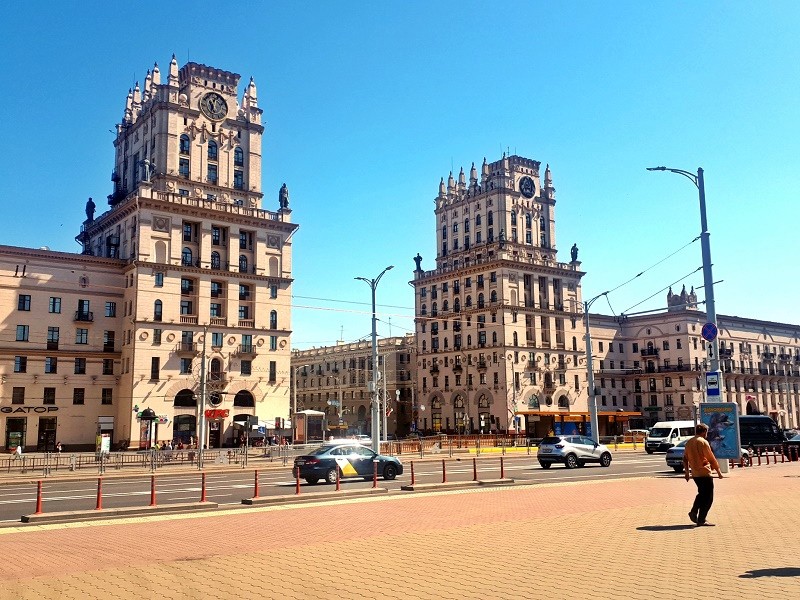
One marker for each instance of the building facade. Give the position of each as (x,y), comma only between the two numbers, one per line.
(191,275)
(334,380)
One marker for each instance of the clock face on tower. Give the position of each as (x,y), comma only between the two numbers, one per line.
(527,187)
(214,106)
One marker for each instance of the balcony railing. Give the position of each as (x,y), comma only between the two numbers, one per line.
(673,368)
(649,351)
(83,315)
(768,355)
(189,319)
(186,348)
(247,350)
(726,352)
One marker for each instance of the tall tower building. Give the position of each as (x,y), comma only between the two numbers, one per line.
(183,285)
(498,320)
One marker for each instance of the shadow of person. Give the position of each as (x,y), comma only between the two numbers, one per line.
(776,572)
(664,527)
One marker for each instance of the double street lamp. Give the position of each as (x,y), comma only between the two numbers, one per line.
(373,284)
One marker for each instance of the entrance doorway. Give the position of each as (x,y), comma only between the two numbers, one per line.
(16,428)
(47,435)
(214,434)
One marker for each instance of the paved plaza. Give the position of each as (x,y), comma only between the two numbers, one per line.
(603,539)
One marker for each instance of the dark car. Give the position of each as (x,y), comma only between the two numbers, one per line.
(793,447)
(349,459)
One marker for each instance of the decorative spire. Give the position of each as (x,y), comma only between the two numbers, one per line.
(462,180)
(441,188)
(473,174)
(148,80)
(173,71)
(129,106)
(137,95)
(156,75)
(485,169)
(548,177)
(252,93)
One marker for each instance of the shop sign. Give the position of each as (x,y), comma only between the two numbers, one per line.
(652,408)
(217,413)
(28,409)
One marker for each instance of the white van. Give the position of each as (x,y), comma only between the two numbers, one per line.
(666,434)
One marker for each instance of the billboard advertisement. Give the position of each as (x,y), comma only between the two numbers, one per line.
(722,419)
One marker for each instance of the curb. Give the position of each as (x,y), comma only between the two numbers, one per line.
(79,516)
(312,496)
(456,485)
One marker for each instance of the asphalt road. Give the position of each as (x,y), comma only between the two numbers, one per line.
(229,488)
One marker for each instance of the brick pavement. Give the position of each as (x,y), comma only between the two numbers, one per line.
(593,540)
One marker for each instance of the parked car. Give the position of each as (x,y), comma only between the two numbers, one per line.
(637,434)
(675,456)
(349,458)
(759,431)
(792,446)
(572,451)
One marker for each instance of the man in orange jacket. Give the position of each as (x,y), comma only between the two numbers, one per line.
(698,462)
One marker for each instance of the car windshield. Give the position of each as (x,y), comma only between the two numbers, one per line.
(551,440)
(322,450)
(681,445)
(795,438)
(660,432)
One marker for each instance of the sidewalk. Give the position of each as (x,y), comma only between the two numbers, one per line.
(597,540)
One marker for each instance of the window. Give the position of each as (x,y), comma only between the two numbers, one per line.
(24,302)
(80,366)
(216,310)
(187,232)
(216,340)
(273,319)
(665,344)
(55,305)
(243,238)
(78,395)
(81,336)
(108,366)
(49,396)
(51,364)
(238,157)
(111,309)
(238,179)
(273,369)
(247,342)
(186,366)
(183,168)
(18,395)
(187,286)
(216,262)
(184,148)
(157,310)
(242,264)
(216,236)
(273,291)
(244,312)
(273,342)
(20,364)
(107,396)
(212,174)
(52,338)
(156,336)
(213,151)
(159,280)
(247,367)
(186,257)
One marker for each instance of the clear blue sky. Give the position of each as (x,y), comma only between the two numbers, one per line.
(368,104)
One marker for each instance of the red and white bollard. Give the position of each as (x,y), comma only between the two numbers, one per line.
(203,487)
(152,490)
(374,473)
(99,505)
(444,472)
(502,469)
(474,469)
(413,479)
(338,480)
(39,497)
(255,484)
(297,481)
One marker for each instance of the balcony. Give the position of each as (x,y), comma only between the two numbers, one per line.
(768,355)
(726,352)
(189,319)
(649,351)
(434,370)
(457,368)
(785,357)
(247,323)
(215,379)
(86,316)
(219,321)
(248,350)
(482,365)
(186,348)
(673,368)
(109,347)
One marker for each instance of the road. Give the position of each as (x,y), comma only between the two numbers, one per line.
(230,487)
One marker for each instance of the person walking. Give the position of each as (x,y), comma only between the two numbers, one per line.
(698,463)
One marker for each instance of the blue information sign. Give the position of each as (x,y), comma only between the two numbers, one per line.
(709,332)
(722,419)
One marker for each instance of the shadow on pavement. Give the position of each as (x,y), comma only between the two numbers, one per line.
(664,527)
(778,572)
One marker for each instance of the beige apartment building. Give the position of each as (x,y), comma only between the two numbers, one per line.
(181,296)
(334,380)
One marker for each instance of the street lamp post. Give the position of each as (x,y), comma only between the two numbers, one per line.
(294,398)
(708,279)
(593,421)
(373,284)
(201,417)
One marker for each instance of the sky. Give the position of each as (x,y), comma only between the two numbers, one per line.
(368,104)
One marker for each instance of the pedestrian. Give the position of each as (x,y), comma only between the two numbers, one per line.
(18,452)
(59,447)
(698,463)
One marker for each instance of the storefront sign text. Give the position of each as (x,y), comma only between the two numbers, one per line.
(28,409)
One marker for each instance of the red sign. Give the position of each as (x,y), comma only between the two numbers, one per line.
(216,413)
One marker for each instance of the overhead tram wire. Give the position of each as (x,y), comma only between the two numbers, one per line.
(664,289)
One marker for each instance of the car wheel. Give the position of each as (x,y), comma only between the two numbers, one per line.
(648,450)
(571,461)
(330,476)
(311,480)
(605,459)
(545,465)
(678,469)
(389,472)
(746,460)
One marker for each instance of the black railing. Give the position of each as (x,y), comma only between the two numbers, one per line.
(81,315)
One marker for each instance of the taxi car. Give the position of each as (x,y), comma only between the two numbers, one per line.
(572,451)
(349,458)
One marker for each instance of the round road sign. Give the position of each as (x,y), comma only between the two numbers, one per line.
(709,332)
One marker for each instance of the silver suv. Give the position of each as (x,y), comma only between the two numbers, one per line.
(572,450)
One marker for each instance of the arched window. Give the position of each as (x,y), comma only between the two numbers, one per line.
(185,144)
(157,310)
(213,152)
(480,300)
(186,257)
(490,217)
(215,370)
(469,340)
(434,310)
(446,344)
(238,157)
(466,225)
(458,402)
(444,232)
(542,224)
(494,337)
(215,260)
(516,339)
(494,296)
(244,399)
(456,305)
(445,306)
(468,301)
(513,218)
(477,220)
(574,344)
(242,264)
(436,404)
(528,222)
(185,398)
(273,319)
(424,309)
